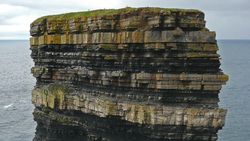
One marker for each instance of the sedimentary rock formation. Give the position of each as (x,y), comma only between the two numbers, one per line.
(152,73)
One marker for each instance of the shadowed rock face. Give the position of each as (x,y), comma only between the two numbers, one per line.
(126,74)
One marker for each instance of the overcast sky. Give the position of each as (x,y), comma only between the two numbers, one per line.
(229,18)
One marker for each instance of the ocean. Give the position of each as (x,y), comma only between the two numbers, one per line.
(16,83)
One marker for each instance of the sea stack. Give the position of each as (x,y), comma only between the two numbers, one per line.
(149,74)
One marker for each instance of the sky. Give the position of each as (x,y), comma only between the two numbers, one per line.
(229,18)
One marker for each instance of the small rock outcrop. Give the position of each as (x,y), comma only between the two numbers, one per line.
(127,74)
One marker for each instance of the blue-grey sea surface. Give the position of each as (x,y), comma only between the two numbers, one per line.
(235,96)
(16,83)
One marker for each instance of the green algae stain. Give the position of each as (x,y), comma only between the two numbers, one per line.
(54,96)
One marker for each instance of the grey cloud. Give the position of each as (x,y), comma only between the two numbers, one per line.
(11,11)
(218,5)
(18,35)
(4,20)
(52,5)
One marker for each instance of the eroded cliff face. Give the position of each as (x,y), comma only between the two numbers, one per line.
(150,73)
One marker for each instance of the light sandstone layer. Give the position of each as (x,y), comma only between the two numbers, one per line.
(153,73)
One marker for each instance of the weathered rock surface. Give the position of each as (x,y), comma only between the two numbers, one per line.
(152,73)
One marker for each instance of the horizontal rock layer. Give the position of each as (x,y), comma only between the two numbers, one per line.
(92,128)
(152,71)
(176,35)
(55,98)
(126,19)
(180,58)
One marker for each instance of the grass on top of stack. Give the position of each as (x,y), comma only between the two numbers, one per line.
(111,12)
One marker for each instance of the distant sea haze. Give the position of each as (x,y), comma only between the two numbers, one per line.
(16,83)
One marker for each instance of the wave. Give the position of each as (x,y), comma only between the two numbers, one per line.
(8,106)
